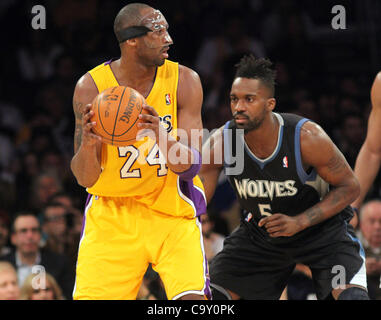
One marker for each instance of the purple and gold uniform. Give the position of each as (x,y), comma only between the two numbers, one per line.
(140,212)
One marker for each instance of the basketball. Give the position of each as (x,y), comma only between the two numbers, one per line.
(116,112)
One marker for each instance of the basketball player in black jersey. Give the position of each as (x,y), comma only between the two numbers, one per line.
(294,187)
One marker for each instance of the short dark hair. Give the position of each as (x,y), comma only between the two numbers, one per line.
(261,69)
(129,16)
(26,213)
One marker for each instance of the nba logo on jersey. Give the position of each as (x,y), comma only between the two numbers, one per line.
(285,162)
(248,217)
(168,99)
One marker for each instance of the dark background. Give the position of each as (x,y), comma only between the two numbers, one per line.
(323,74)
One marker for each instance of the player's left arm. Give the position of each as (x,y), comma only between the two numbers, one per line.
(178,152)
(189,104)
(318,151)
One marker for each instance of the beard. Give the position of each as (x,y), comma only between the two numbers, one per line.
(251,124)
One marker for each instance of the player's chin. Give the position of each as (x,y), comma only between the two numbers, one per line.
(160,61)
(241,125)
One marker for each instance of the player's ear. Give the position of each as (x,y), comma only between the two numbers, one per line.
(131,42)
(271,104)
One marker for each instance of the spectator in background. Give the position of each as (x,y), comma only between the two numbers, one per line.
(4,233)
(51,103)
(63,198)
(7,194)
(213,241)
(300,286)
(307,108)
(11,121)
(75,215)
(62,227)
(36,136)
(28,171)
(370,236)
(327,102)
(231,40)
(36,56)
(9,288)
(26,237)
(65,73)
(43,186)
(51,290)
(52,160)
(55,217)
(70,203)
(351,136)
(144,293)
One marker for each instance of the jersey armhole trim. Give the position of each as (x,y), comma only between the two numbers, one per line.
(303,176)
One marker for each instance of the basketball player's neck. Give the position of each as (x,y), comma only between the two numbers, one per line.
(263,140)
(134,74)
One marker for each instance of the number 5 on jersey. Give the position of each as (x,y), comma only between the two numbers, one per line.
(265,209)
(154,158)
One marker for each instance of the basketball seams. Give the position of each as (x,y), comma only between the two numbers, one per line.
(132,125)
(121,143)
(117,112)
(99,116)
(110,128)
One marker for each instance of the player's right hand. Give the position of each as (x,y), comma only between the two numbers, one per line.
(89,138)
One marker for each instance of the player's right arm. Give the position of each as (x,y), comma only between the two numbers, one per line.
(85,163)
(212,162)
(369,158)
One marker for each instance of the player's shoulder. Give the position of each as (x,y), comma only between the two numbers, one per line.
(188,74)
(378,77)
(190,92)
(377,82)
(376,91)
(85,86)
(312,135)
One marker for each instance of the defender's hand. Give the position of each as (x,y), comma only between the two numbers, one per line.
(280,225)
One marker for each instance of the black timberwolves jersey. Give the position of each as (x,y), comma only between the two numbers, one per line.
(278,184)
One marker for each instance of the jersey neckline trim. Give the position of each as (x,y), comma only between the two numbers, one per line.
(108,64)
(263,162)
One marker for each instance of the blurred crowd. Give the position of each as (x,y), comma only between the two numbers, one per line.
(322,74)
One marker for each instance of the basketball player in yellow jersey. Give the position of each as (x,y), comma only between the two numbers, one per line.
(143,207)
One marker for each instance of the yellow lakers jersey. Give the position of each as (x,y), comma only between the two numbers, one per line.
(139,170)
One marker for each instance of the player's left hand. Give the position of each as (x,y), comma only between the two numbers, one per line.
(280,225)
(150,120)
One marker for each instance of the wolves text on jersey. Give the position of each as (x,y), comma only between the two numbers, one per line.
(264,188)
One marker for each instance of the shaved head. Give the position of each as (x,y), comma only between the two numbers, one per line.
(128,16)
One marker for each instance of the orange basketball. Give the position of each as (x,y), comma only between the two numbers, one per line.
(116,115)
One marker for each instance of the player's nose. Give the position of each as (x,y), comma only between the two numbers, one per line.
(240,106)
(167,38)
